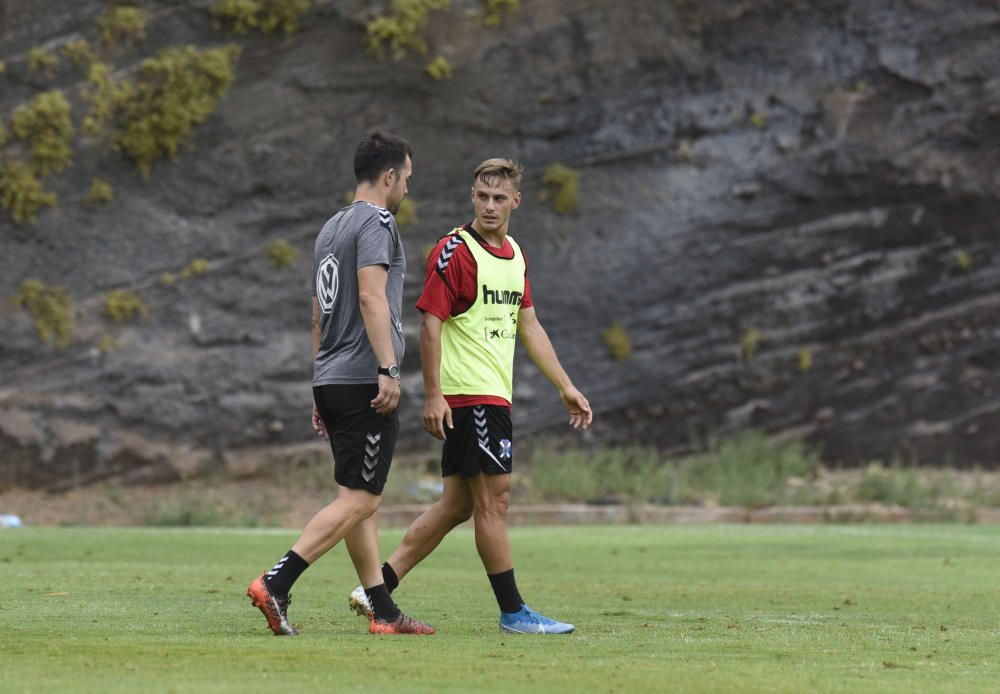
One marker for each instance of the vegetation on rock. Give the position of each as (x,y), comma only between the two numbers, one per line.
(561,185)
(617,341)
(494,10)
(50,307)
(281,254)
(440,68)
(100,193)
(407,213)
(80,54)
(196,268)
(124,23)
(41,60)
(176,90)
(21,192)
(401,27)
(243,16)
(45,123)
(122,306)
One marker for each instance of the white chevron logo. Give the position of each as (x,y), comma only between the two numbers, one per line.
(447,252)
(488,452)
(374,438)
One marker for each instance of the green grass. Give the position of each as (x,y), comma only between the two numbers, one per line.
(720,608)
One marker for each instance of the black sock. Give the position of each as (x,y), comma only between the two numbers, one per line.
(389,576)
(288,569)
(505,589)
(382,604)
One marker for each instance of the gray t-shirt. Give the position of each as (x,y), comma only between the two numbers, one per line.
(358,236)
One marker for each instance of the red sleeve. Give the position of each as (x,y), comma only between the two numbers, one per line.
(526,302)
(450,282)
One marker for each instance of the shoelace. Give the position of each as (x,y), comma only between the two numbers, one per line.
(532,616)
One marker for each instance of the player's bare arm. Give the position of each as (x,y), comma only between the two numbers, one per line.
(536,341)
(317,421)
(378,325)
(437,414)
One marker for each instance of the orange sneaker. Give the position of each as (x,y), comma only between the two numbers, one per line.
(275,608)
(403,624)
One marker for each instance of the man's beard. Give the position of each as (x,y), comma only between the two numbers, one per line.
(393,205)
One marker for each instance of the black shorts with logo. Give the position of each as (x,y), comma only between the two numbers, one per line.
(482,441)
(362,440)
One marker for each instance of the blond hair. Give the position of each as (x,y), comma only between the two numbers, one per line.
(504,169)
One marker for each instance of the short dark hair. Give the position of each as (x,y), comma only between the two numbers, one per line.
(377,152)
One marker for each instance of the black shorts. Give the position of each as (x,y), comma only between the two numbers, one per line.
(482,441)
(362,440)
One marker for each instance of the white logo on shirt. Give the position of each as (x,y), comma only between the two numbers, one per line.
(326,283)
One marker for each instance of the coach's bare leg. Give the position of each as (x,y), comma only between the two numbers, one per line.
(426,532)
(362,545)
(490,499)
(329,526)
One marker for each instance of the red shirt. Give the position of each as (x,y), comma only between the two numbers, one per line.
(450,288)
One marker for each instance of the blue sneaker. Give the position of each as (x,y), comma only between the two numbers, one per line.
(527,621)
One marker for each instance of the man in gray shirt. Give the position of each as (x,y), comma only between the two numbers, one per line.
(358,267)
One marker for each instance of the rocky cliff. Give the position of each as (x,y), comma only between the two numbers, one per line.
(786,208)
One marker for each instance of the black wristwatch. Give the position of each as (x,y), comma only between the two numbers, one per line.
(392,371)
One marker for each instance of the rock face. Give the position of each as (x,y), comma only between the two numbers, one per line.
(790,207)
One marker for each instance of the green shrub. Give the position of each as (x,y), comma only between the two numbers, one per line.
(281,254)
(107,344)
(561,185)
(3,67)
(196,268)
(100,193)
(406,215)
(401,27)
(177,90)
(805,359)
(749,343)
(102,97)
(494,10)
(3,135)
(617,341)
(50,307)
(41,60)
(122,306)
(440,68)
(633,473)
(263,15)
(80,54)
(45,122)
(124,23)
(746,470)
(21,192)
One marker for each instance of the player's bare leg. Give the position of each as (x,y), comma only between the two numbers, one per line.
(330,525)
(491,498)
(430,528)
(422,537)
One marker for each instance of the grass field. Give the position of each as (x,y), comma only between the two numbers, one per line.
(719,608)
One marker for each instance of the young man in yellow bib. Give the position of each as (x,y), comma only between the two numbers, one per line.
(476,301)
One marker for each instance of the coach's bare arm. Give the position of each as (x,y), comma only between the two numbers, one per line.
(536,341)
(378,325)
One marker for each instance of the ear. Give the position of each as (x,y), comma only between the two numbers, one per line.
(389,177)
(516,200)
